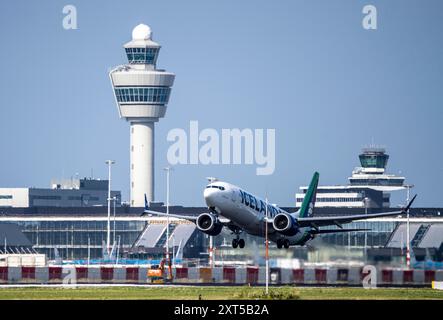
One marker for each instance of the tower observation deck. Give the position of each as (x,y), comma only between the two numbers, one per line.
(374,157)
(142,93)
(372,172)
(369,185)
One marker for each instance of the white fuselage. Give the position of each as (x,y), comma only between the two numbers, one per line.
(247,211)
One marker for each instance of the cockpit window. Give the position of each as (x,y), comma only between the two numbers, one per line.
(217,187)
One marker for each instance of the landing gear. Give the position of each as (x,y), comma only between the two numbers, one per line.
(286,243)
(237,242)
(283,243)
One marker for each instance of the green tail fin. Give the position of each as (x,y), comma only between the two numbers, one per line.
(307,206)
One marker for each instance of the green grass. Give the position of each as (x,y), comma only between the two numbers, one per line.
(216,293)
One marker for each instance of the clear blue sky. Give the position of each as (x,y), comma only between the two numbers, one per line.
(306,68)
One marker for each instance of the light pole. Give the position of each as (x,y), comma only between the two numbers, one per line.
(113,238)
(108,234)
(173,248)
(168,170)
(366,232)
(408,245)
(89,250)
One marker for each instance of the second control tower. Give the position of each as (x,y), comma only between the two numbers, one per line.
(141,93)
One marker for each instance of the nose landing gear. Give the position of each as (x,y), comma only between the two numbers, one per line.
(237,242)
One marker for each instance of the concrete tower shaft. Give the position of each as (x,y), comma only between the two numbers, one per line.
(142,93)
(142,159)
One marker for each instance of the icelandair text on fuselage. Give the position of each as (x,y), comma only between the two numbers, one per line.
(247,147)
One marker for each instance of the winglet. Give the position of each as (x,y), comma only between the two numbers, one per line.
(406,209)
(146,203)
(146,206)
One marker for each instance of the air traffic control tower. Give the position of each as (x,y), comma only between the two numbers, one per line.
(141,93)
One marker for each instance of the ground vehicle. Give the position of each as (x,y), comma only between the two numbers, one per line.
(156,273)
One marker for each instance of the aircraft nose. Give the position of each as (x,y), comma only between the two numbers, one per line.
(210,195)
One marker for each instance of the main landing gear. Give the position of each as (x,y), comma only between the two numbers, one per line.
(283,243)
(237,242)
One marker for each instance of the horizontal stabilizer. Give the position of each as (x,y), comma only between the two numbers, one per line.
(409,204)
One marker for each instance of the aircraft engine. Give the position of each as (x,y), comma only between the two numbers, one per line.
(285,224)
(209,224)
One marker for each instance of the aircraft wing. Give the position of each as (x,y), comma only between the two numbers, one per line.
(336,231)
(147,211)
(171,215)
(222,220)
(339,220)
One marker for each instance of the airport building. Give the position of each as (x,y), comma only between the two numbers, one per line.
(14,241)
(80,233)
(369,186)
(70,221)
(63,193)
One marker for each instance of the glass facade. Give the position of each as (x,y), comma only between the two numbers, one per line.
(373,160)
(142,55)
(157,95)
(380,182)
(71,238)
(377,236)
(34,197)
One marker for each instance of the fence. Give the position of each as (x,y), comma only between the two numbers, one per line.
(352,276)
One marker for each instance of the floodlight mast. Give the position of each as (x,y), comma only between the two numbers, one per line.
(108,231)
(114,199)
(408,244)
(168,257)
(366,200)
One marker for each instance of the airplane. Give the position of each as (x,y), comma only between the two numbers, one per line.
(231,207)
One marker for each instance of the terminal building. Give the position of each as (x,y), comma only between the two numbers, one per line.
(369,186)
(80,233)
